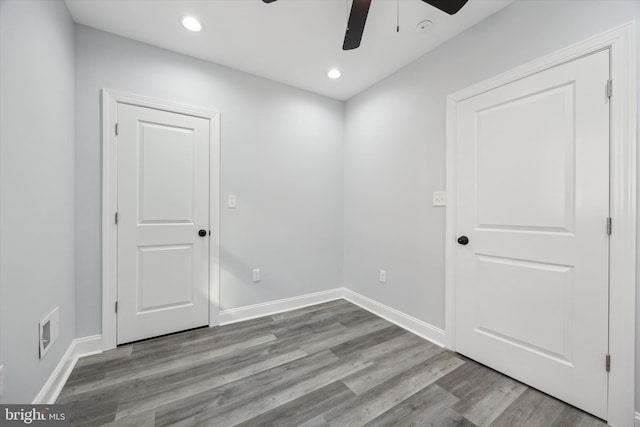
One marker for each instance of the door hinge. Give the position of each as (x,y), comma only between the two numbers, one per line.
(116,217)
(609,88)
(116,129)
(116,306)
(609,226)
(607,362)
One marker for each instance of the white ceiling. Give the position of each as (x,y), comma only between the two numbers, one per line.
(291,41)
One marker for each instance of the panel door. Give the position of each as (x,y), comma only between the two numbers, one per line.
(163,203)
(533,198)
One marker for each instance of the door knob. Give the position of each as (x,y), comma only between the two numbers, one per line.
(463,240)
(202,233)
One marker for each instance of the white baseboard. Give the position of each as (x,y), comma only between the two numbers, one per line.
(416,326)
(86,346)
(79,347)
(272,307)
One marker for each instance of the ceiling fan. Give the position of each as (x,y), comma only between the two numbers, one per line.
(360,10)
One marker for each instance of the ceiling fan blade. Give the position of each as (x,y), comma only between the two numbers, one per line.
(449,6)
(355,27)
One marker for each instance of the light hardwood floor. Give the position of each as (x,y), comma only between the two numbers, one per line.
(331,364)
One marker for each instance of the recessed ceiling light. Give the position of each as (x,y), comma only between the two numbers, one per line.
(191,23)
(334,73)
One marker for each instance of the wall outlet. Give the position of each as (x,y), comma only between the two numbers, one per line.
(232,201)
(382,276)
(439,198)
(256,275)
(48,332)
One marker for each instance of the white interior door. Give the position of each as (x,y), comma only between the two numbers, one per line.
(163,204)
(532,176)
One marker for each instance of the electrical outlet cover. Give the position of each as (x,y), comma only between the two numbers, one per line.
(382,276)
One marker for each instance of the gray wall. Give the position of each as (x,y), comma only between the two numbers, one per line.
(281,154)
(36,188)
(395,146)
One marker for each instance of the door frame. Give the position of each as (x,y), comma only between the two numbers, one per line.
(110,101)
(622,273)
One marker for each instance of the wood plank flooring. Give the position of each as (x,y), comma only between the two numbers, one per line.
(331,364)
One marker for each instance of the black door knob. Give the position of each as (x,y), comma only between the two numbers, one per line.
(463,240)
(202,233)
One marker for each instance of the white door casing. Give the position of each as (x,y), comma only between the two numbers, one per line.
(163,202)
(533,198)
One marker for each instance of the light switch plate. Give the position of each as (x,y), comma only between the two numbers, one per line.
(232,201)
(439,198)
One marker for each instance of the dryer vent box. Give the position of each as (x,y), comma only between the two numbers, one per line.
(48,332)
